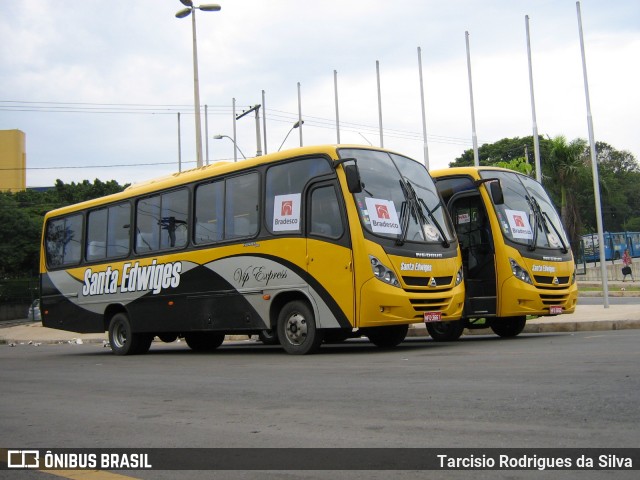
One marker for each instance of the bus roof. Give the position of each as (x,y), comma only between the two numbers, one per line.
(470,171)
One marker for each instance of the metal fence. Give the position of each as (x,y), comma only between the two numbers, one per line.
(16,296)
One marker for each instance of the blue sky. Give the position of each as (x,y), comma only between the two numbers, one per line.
(100,83)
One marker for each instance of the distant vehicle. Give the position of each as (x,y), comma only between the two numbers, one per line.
(615,244)
(34,311)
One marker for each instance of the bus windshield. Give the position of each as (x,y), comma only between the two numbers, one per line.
(399,199)
(528,215)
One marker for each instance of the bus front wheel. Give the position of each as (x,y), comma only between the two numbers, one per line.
(449,331)
(297,330)
(122,339)
(508,326)
(389,336)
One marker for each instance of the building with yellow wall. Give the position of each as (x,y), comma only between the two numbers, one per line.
(13,161)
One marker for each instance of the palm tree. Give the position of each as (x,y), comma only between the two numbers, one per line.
(566,163)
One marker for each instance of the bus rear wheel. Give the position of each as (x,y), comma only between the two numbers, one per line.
(204,341)
(123,340)
(449,331)
(389,336)
(508,327)
(297,330)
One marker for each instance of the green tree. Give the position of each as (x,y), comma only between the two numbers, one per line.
(22,215)
(566,164)
(517,164)
(19,239)
(505,150)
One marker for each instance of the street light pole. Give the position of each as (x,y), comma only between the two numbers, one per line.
(191,10)
(235,145)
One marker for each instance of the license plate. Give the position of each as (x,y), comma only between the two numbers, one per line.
(555,310)
(430,317)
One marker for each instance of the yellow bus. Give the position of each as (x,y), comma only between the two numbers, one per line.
(312,243)
(516,255)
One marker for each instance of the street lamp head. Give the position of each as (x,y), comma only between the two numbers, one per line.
(187,3)
(218,137)
(211,7)
(183,13)
(298,123)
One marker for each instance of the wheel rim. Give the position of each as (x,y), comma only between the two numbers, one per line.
(296,329)
(120,335)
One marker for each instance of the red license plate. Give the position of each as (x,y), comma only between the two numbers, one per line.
(555,310)
(430,317)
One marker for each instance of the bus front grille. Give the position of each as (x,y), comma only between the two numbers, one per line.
(549,299)
(427,281)
(548,280)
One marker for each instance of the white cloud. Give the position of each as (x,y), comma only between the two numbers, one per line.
(122,52)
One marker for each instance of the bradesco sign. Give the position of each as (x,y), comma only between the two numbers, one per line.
(383,216)
(286,212)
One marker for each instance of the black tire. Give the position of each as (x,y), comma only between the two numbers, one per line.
(269,337)
(508,327)
(448,331)
(389,336)
(297,329)
(122,339)
(204,341)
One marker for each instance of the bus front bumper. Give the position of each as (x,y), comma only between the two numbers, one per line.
(518,298)
(382,304)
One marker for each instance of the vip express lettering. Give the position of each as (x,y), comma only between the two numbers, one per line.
(135,278)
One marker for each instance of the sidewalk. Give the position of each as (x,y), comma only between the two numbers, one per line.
(585,318)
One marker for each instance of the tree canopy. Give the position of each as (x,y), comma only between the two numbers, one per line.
(22,214)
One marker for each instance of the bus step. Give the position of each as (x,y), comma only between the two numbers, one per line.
(481,305)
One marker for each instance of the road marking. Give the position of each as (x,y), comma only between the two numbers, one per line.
(72,474)
(87,475)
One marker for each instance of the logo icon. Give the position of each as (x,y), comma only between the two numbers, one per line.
(433,282)
(555,281)
(23,458)
(518,221)
(382,211)
(286,209)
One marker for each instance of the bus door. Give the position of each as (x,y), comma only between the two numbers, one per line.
(329,254)
(478,253)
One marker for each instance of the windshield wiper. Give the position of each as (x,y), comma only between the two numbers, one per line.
(534,239)
(423,220)
(544,220)
(555,229)
(404,216)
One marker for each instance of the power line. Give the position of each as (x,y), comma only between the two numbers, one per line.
(172,109)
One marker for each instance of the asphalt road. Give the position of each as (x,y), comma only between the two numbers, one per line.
(577,390)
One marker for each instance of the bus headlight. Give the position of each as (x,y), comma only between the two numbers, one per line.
(459,277)
(520,272)
(383,273)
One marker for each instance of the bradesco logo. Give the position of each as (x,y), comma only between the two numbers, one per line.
(154,277)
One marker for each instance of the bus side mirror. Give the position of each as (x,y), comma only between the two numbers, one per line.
(353,178)
(496,193)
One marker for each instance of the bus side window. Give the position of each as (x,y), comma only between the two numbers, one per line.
(241,206)
(63,241)
(290,179)
(326,220)
(209,212)
(173,219)
(147,224)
